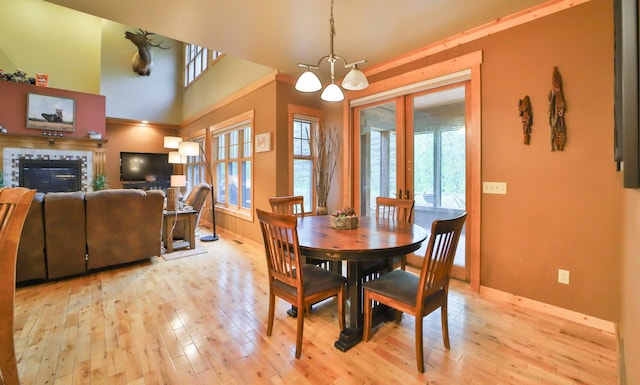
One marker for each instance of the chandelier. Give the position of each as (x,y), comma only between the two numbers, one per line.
(355,80)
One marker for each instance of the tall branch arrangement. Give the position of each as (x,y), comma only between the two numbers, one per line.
(325,157)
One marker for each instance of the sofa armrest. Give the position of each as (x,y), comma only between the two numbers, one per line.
(30,263)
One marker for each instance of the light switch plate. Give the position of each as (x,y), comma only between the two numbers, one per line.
(563,276)
(494,188)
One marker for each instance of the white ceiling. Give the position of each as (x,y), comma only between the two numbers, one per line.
(282,33)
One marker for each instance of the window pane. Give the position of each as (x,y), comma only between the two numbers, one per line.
(233,145)
(302,183)
(247,142)
(301,135)
(220,182)
(233,183)
(221,146)
(246,185)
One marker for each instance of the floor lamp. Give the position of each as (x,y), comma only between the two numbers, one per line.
(194,149)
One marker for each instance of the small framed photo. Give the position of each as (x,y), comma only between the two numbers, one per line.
(263,142)
(50,113)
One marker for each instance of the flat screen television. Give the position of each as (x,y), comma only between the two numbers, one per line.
(145,167)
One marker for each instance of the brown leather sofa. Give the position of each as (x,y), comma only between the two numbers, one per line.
(68,234)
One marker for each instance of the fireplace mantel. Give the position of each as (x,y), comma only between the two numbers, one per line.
(42,141)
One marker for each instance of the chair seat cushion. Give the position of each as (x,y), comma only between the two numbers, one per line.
(316,280)
(399,285)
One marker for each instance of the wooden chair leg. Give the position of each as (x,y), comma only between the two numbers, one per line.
(367,315)
(8,366)
(445,324)
(299,330)
(419,349)
(272,305)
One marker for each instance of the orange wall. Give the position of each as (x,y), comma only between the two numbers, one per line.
(630,300)
(265,169)
(563,209)
(124,136)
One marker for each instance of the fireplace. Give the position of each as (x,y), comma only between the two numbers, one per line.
(50,175)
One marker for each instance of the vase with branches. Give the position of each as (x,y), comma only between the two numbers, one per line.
(325,157)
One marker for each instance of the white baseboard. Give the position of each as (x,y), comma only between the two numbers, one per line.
(604,325)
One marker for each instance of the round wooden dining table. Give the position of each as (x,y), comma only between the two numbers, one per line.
(368,251)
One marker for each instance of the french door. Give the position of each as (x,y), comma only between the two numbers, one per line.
(414,146)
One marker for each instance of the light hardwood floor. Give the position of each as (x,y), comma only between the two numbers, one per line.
(202,320)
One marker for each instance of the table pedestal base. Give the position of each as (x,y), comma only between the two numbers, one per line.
(351,336)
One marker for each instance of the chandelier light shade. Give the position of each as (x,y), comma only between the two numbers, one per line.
(308,82)
(172,141)
(355,80)
(332,93)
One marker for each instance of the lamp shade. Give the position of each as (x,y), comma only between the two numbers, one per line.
(308,82)
(355,80)
(178,180)
(332,93)
(172,141)
(189,149)
(176,158)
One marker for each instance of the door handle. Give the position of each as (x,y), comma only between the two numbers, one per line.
(406,194)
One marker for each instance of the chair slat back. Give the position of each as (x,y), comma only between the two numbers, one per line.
(14,206)
(441,251)
(393,208)
(291,205)
(280,235)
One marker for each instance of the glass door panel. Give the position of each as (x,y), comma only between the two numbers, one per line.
(415,145)
(378,153)
(439,156)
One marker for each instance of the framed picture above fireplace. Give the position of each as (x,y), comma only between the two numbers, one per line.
(52,113)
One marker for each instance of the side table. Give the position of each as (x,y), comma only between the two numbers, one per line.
(170,218)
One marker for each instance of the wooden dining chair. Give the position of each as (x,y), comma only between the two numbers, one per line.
(299,284)
(419,295)
(399,210)
(292,205)
(14,206)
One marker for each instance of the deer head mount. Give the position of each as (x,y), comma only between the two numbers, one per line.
(143,59)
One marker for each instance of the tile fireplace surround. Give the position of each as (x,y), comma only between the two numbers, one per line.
(11,163)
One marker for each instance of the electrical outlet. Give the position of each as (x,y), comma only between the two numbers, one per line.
(494,188)
(563,276)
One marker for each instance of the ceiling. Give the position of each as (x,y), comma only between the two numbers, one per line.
(281,33)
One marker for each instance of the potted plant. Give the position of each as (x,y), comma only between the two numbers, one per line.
(344,219)
(100,182)
(325,156)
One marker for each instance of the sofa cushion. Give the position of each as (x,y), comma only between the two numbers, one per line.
(65,233)
(123,225)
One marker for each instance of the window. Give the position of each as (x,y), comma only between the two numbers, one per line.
(233,156)
(195,169)
(302,123)
(302,160)
(195,62)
